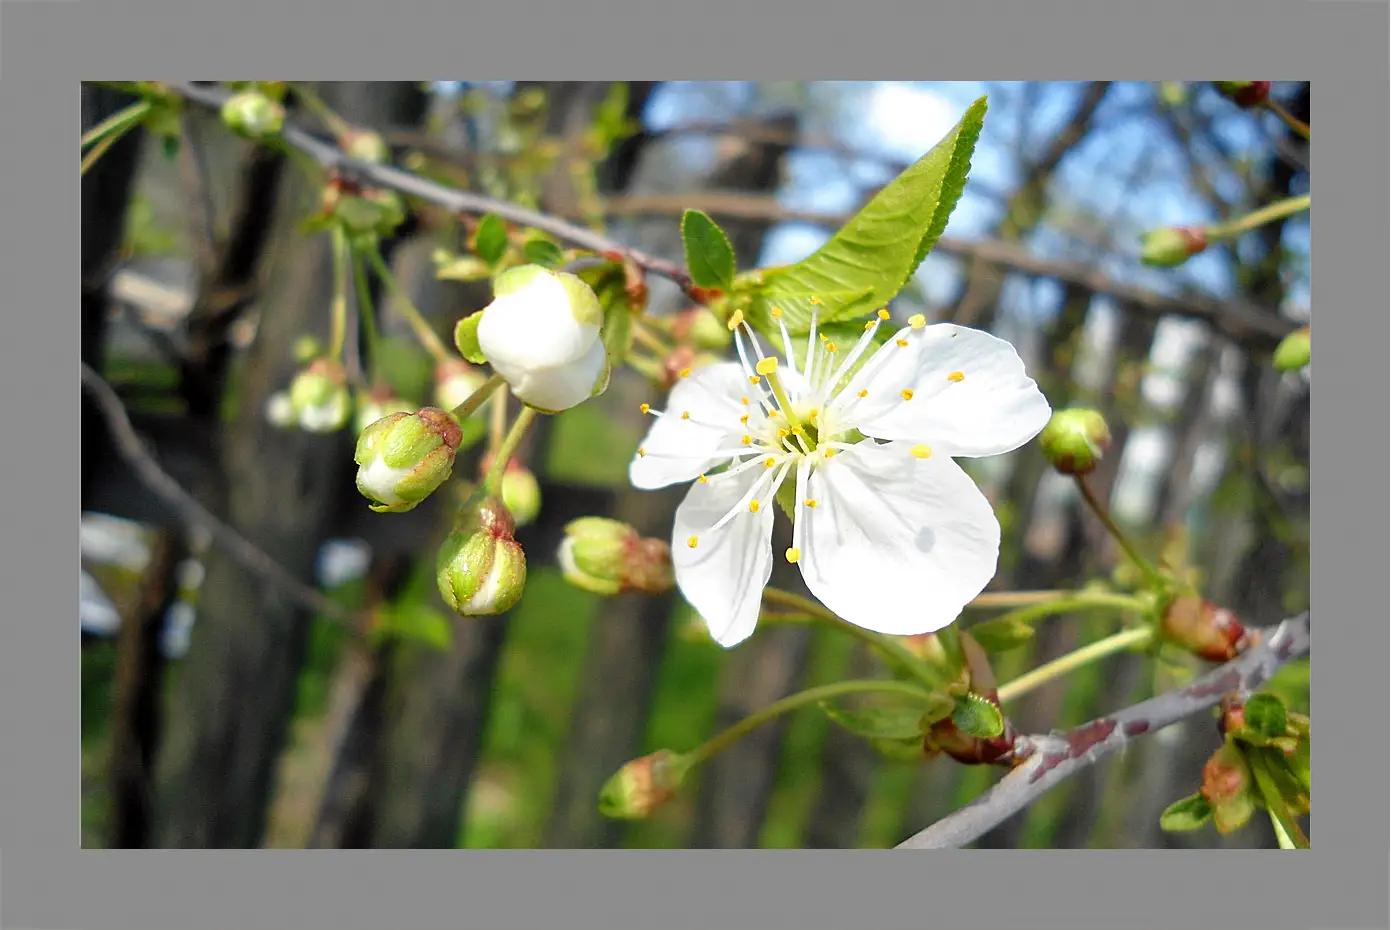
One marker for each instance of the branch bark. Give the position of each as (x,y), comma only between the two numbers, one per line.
(1053,758)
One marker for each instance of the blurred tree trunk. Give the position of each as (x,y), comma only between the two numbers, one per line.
(235,696)
(427,711)
(106,191)
(630,635)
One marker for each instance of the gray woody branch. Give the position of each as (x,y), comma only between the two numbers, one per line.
(1057,756)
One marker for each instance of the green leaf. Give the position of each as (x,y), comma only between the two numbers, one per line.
(610,285)
(490,241)
(1191,813)
(466,338)
(881,722)
(543,252)
(709,256)
(976,716)
(1001,634)
(1264,715)
(899,750)
(418,623)
(878,250)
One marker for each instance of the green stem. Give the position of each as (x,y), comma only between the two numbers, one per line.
(722,740)
(497,428)
(427,336)
(509,446)
(368,314)
(1268,214)
(336,124)
(1084,485)
(476,399)
(1299,126)
(116,123)
(339,332)
(886,646)
(1118,642)
(649,339)
(1070,601)
(101,148)
(1014,598)
(1281,836)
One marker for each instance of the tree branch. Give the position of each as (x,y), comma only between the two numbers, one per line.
(132,449)
(456,201)
(1053,758)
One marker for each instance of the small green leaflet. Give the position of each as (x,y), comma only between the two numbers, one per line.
(1187,814)
(976,716)
(709,256)
(895,724)
(1001,634)
(490,241)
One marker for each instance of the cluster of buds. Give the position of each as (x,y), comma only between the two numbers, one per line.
(318,400)
(643,785)
(964,721)
(481,568)
(404,457)
(1171,246)
(1075,440)
(1245,94)
(252,114)
(541,333)
(607,557)
(1204,629)
(520,490)
(363,213)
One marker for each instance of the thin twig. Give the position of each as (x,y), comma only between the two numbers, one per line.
(147,468)
(1051,759)
(456,201)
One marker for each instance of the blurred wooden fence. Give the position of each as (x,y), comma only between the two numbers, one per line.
(395,753)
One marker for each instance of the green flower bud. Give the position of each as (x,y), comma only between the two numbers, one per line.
(365,145)
(1293,352)
(1206,630)
(607,557)
(370,214)
(1075,440)
(1171,246)
(643,785)
(307,348)
(481,568)
(521,492)
(253,115)
(1246,94)
(402,458)
(319,397)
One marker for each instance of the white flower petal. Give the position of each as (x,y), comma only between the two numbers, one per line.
(970,393)
(534,327)
(723,576)
(676,449)
(896,544)
(562,387)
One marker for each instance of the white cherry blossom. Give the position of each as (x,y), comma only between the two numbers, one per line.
(888,531)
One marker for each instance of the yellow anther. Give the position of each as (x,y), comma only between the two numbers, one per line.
(794,554)
(646,408)
(703,480)
(641,453)
(903,343)
(766,366)
(744,419)
(956,376)
(883,313)
(784,433)
(735,320)
(693,541)
(906,394)
(810,502)
(753,379)
(775,312)
(685,414)
(744,401)
(811,414)
(753,506)
(830,452)
(921,452)
(824,338)
(815,301)
(830,347)
(685,372)
(746,440)
(863,393)
(769,462)
(917,321)
(871,324)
